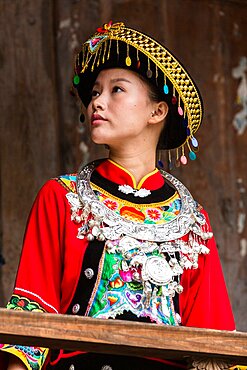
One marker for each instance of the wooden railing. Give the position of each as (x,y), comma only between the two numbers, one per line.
(121,337)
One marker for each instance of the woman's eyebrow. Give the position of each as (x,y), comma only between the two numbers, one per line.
(114,80)
(120,79)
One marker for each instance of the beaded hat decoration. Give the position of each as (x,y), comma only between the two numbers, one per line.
(116,46)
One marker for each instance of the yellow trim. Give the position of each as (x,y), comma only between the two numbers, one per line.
(138,206)
(146,177)
(21,355)
(124,169)
(135,186)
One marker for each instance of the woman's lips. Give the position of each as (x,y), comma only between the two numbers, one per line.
(97,119)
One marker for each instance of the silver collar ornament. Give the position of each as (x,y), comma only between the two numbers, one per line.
(149,251)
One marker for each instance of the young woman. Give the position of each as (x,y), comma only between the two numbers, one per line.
(122,239)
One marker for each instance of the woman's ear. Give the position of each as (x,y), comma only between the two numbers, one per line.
(159,113)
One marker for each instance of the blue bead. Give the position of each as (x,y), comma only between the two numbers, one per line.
(192,155)
(185,122)
(194,142)
(188,131)
(170,166)
(166,89)
(160,164)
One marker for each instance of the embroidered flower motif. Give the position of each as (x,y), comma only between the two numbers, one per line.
(111,204)
(154,214)
(132,214)
(21,303)
(127,189)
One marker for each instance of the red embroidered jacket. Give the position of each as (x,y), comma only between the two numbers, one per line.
(52,257)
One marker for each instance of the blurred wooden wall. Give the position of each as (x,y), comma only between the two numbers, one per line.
(41,136)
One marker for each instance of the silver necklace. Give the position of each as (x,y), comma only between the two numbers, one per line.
(114,225)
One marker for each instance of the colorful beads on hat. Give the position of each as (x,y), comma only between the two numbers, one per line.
(128,61)
(174,100)
(76,80)
(166,89)
(183,159)
(194,142)
(180,111)
(177,163)
(192,155)
(138,63)
(149,73)
(160,163)
(185,121)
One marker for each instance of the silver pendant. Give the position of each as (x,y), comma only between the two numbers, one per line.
(157,270)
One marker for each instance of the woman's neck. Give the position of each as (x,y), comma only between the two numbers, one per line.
(138,164)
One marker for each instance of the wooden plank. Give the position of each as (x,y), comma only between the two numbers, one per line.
(120,337)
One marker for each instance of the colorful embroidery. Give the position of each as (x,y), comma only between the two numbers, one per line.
(117,292)
(32,357)
(68,181)
(157,213)
(22,303)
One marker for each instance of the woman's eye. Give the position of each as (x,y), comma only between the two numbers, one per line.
(94,93)
(117,89)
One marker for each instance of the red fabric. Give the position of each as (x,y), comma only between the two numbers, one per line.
(51,257)
(110,171)
(204,302)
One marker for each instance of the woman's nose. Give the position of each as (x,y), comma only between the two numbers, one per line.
(99,103)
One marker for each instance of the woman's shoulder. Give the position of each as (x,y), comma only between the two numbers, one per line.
(58,186)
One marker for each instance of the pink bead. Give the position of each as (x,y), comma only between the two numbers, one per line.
(180,111)
(183,159)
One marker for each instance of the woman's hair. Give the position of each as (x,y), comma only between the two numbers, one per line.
(154,93)
(157,96)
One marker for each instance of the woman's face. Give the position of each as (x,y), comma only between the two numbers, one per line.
(120,108)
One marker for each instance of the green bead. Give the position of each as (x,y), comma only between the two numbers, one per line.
(192,155)
(76,80)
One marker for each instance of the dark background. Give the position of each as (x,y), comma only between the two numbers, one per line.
(40,132)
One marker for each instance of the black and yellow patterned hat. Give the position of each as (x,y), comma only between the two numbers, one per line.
(115,45)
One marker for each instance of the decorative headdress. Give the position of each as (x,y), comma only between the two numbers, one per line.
(116,46)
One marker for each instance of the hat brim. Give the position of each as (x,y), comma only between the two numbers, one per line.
(176,129)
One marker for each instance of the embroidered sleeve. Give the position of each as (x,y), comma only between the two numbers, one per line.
(32,357)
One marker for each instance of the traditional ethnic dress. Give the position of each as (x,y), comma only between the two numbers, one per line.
(111,248)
